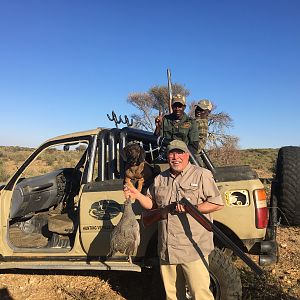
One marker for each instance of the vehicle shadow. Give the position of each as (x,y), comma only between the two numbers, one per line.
(145,285)
(5,295)
(135,286)
(148,284)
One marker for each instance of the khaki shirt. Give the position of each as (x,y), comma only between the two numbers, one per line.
(180,235)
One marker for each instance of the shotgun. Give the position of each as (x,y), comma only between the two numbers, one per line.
(170,90)
(152,216)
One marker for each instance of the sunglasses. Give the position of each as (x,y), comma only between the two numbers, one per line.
(178,153)
(179,105)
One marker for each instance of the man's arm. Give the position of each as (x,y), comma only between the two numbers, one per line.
(193,135)
(145,201)
(214,201)
(205,207)
(208,207)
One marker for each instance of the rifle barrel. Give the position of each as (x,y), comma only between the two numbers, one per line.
(170,90)
(207,224)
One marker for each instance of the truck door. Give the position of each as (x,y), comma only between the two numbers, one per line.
(101,209)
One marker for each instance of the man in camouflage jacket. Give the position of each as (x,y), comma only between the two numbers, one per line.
(178,125)
(202,110)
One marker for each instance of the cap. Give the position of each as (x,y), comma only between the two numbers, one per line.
(176,144)
(204,104)
(178,99)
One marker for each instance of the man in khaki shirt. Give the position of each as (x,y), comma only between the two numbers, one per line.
(183,243)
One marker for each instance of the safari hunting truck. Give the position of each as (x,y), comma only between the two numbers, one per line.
(60,215)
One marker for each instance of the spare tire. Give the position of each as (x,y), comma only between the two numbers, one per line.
(288,185)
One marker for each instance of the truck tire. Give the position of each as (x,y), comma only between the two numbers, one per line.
(288,185)
(225,278)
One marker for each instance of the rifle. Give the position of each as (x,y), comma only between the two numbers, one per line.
(152,216)
(170,90)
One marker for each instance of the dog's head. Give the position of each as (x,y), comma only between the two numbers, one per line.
(133,154)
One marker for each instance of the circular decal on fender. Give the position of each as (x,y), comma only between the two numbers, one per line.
(105,209)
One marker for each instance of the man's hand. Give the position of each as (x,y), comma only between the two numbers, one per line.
(158,121)
(158,124)
(130,191)
(180,208)
(145,201)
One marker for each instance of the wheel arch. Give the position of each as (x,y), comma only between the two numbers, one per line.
(230,234)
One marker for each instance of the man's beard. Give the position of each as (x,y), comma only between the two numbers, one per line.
(176,168)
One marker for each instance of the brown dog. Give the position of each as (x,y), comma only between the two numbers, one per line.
(138,172)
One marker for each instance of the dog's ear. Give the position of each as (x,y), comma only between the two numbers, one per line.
(142,155)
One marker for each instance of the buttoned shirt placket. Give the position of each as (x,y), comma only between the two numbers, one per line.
(175,194)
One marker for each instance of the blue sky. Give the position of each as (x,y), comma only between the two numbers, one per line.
(65,64)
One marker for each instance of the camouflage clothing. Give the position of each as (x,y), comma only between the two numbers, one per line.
(184,129)
(203,132)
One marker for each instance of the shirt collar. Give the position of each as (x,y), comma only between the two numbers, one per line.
(182,173)
(189,165)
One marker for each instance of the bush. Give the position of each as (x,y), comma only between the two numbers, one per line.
(3,174)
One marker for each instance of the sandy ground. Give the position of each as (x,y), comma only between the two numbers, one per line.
(282,281)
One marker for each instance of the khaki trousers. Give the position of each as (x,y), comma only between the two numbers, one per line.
(194,274)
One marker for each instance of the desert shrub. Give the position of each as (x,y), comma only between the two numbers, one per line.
(18,149)
(49,158)
(261,159)
(81,148)
(19,156)
(5,152)
(3,173)
(226,153)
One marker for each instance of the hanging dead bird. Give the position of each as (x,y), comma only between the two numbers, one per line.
(125,238)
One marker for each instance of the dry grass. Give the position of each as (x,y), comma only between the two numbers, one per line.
(11,158)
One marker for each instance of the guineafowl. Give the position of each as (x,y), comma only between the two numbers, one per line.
(125,238)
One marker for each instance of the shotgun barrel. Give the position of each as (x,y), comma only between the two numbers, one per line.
(224,239)
(152,216)
(170,90)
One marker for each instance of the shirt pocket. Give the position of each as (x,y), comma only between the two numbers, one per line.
(161,196)
(190,192)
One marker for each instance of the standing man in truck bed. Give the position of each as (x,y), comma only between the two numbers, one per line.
(202,110)
(178,125)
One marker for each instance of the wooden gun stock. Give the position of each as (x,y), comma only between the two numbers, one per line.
(152,216)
